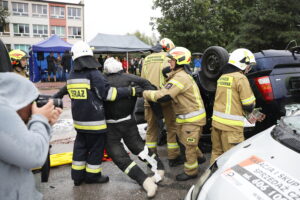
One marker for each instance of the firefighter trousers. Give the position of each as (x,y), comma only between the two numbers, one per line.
(222,141)
(153,130)
(128,131)
(87,156)
(189,135)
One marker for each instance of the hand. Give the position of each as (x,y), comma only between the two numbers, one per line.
(48,111)
(138,91)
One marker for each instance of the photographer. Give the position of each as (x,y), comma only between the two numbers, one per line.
(24,136)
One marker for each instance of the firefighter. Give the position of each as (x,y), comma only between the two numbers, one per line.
(152,71)
(122,125)
(19,61)
(88,88)
(233,98)
(183,92)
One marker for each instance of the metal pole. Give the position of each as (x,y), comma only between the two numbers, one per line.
(127,62)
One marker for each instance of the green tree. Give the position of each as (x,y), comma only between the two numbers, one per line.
(269,24)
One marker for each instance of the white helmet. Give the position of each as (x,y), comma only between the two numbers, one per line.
(166,44)
(80,49)
(241,58)
(111,65)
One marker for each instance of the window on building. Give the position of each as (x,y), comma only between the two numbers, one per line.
(57,12)
(74,32)
(24,47)
(4,4)
(39,10)
(74,13)
(58,30)
(40,30)
(8,47)
(4,29)
(20,9)
(21,29)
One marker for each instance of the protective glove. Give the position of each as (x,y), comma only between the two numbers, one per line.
(137,91)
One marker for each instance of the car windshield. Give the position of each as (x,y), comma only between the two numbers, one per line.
(287,132)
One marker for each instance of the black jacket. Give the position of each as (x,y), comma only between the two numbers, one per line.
(88,89)
(123,107)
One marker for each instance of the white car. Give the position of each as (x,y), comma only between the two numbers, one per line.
(264,167)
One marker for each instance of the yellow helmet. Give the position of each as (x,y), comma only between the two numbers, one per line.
(241,58)
(181,55)
(17,55)
(166,44)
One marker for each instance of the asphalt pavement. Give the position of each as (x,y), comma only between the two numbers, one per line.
(120,186)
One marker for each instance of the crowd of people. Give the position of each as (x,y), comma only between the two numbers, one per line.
(102,111)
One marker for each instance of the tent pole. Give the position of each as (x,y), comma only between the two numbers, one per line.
(127,61)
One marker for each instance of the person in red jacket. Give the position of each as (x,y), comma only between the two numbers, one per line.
(125,64)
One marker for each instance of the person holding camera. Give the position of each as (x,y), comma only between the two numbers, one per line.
(24,136)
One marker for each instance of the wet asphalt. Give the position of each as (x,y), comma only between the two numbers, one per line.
(119,187)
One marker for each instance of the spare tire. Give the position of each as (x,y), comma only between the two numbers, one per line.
(214,58)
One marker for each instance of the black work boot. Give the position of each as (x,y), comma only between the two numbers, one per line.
(101,179)
(184,177)
(201,160)
(176,162)
(78,182)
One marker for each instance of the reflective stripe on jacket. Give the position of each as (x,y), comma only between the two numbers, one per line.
(87,90)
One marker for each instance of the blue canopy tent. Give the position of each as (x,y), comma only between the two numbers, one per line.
(39,52)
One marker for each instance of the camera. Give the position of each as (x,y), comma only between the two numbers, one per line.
(43,100)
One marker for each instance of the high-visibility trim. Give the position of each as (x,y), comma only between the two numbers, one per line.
(79,80)
(228,119)
(191,166)
(228,101)
(152,96)
(197,95)
(173,145)
(225,81)
(112,94)
(79,86)
(151,145)
(248,101)
(191,117)
(78,165)
(177,83)
(95,169)
(127,170)
(114,121)
(75,167)
(228,116)
(94,125)
(133,91)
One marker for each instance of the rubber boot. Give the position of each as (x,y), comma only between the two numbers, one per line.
(161,173)
(101,179)
(150,187)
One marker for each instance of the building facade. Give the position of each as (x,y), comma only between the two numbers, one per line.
(32,21)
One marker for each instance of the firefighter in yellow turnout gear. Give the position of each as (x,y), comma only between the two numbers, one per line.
(234,98)
(182,91)
(152,71)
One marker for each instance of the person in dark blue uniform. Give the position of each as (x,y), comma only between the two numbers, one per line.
(122,125)
(88,88)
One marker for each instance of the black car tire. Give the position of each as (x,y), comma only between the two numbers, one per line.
(214,58)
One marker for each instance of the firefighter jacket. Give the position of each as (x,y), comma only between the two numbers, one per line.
(88,89)
(152,68)
(233,93)
(122,109)
(185,95)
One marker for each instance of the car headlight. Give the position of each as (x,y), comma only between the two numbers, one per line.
(208,172)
